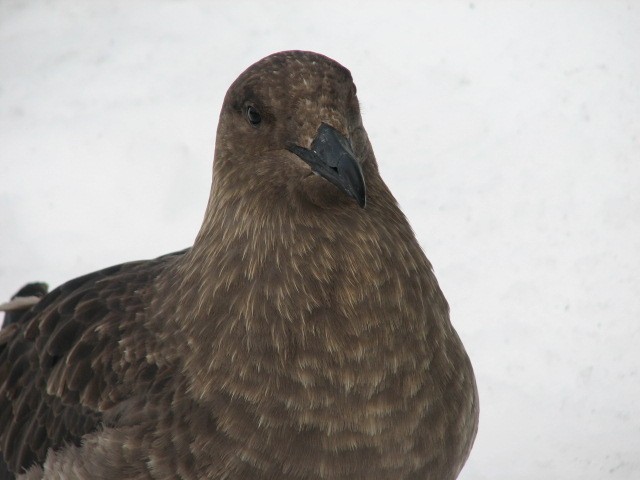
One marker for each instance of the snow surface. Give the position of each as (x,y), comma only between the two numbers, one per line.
(508,131)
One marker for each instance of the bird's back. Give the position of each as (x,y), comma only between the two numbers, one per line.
(72,357)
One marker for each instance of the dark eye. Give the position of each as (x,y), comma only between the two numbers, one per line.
(253,116)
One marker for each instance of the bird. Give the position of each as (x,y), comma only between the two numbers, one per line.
(303,335)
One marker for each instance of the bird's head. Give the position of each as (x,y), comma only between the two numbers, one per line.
(290,130)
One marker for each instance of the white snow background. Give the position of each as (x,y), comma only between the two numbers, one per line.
(508,131)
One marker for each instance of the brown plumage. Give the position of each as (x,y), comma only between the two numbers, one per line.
(303,336)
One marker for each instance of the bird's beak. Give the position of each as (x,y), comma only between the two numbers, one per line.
(332,157)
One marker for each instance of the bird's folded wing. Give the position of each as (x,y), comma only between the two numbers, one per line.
(63,365)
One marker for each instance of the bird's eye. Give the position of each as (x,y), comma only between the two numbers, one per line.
(253,116)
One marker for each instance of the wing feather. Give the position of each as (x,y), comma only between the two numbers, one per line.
(58,370)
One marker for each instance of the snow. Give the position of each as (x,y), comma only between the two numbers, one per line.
(508,131)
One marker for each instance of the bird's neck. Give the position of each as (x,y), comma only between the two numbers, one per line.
(269,291)
(300,329)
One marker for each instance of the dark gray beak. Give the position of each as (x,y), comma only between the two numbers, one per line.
(331,157)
